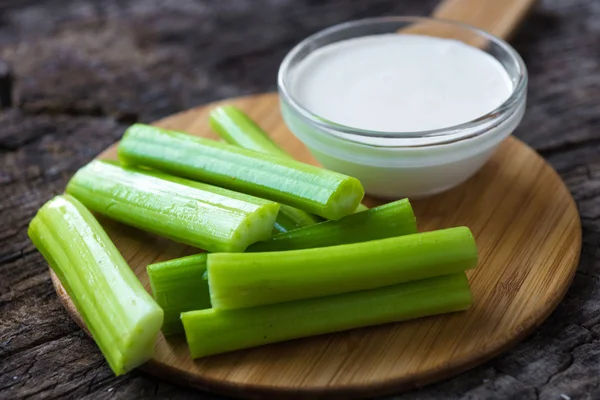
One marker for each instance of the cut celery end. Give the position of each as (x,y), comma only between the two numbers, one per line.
(193,213)
(253,279)
(173,280)
(393,219)
(213,331)
(315,190)
(122,317)
(177,286)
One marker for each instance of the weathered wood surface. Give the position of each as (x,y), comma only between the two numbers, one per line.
(74,73)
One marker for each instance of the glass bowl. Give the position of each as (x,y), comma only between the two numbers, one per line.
(405,164)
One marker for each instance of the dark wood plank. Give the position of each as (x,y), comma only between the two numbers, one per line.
(87,68)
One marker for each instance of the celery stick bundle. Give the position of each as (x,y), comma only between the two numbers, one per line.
(356,269)
(177,285)
(269,297)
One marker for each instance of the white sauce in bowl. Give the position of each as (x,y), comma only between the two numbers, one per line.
(400,83)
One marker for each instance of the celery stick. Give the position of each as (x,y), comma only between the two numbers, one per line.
(319,191)
(216,331)
(178,287)
(236,128)
(197,214)
(121,316)
(253,279)
(389,220)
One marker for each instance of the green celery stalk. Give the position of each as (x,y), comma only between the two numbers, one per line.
(389,220)
(217,331)
(119,313)
(178,286)
(253,279)
(237,128)
(315,190)
(197,214)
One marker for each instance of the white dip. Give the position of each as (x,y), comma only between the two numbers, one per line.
(400,83)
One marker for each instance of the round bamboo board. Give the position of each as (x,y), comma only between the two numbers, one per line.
(529,237)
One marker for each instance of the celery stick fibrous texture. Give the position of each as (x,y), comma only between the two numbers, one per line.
(197,214)
(252,279)
(122,317)
(177,285)
(326,193)
(214,331)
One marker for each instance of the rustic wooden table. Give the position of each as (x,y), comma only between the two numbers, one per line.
(75,73)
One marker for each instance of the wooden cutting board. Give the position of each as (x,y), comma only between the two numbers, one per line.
(529,237)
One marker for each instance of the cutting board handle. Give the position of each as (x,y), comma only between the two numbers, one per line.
(498,17)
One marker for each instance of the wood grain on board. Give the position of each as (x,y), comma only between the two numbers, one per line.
(529,237)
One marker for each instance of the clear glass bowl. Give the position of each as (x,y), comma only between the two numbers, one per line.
(405,164)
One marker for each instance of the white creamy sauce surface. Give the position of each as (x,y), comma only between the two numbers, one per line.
(400,83)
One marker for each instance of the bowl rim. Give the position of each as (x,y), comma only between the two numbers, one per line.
(454,133)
